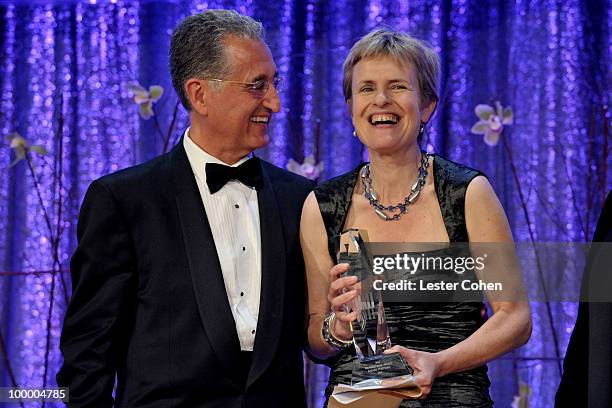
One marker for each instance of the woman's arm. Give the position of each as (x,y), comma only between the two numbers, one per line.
(510,325)
(324,285)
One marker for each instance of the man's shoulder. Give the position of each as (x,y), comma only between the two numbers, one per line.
(136,177)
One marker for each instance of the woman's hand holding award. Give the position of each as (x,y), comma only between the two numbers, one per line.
(373,371)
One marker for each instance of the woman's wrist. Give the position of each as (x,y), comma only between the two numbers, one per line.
(337,331)
(330,337)
(342,334)
(442,363)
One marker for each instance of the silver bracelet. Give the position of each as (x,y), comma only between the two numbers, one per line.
(329,336)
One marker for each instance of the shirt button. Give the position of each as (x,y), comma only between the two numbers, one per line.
(244,248)
(236,205)
(252,331)
(241,293)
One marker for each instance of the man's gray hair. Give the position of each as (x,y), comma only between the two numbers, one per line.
(197,49)
(403,48)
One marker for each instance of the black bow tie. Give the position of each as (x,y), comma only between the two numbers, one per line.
(248,173)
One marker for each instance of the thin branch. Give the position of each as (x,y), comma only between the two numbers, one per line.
(317,140)
(39,194)
(59,178)
(606,149)
(171,128)
(297,141)
(515,369)
(590,141)
(49,323)
(532,238)
(55,238)
(554,220)
(134,145)
(573,195)
(158,128)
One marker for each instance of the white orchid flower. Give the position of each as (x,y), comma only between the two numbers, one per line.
(22,147)
(145,99)
(522,400)
(309,169)
(492,121)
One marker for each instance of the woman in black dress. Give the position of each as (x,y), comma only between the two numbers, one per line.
(390,85)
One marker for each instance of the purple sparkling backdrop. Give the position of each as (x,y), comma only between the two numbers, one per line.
(547,59)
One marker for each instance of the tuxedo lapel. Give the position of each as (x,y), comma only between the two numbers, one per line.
(273,271)
(204,266)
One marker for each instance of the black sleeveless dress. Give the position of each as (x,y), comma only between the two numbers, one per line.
(427,327)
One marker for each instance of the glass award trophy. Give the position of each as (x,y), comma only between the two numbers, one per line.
(370,331)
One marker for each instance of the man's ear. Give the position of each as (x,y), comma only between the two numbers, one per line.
(197,91)
(428,111)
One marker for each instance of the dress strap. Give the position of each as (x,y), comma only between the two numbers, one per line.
(451,181)
(334,198)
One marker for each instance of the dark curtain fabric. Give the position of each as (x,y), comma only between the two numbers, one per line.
(64,77)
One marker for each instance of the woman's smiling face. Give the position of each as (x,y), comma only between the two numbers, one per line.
(386,104)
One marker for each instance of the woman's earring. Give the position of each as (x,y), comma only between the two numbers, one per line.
(354,133)
(421,131)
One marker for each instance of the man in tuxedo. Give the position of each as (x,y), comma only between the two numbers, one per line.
(188,281)
(587,367)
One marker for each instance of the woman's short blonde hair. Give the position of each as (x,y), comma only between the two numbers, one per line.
(404,49)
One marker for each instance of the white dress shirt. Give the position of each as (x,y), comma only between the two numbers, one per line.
(233,215)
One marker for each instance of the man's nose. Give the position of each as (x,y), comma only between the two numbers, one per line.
(272,99)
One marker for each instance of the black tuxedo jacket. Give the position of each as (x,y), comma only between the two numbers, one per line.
(149,302)
(587,366)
